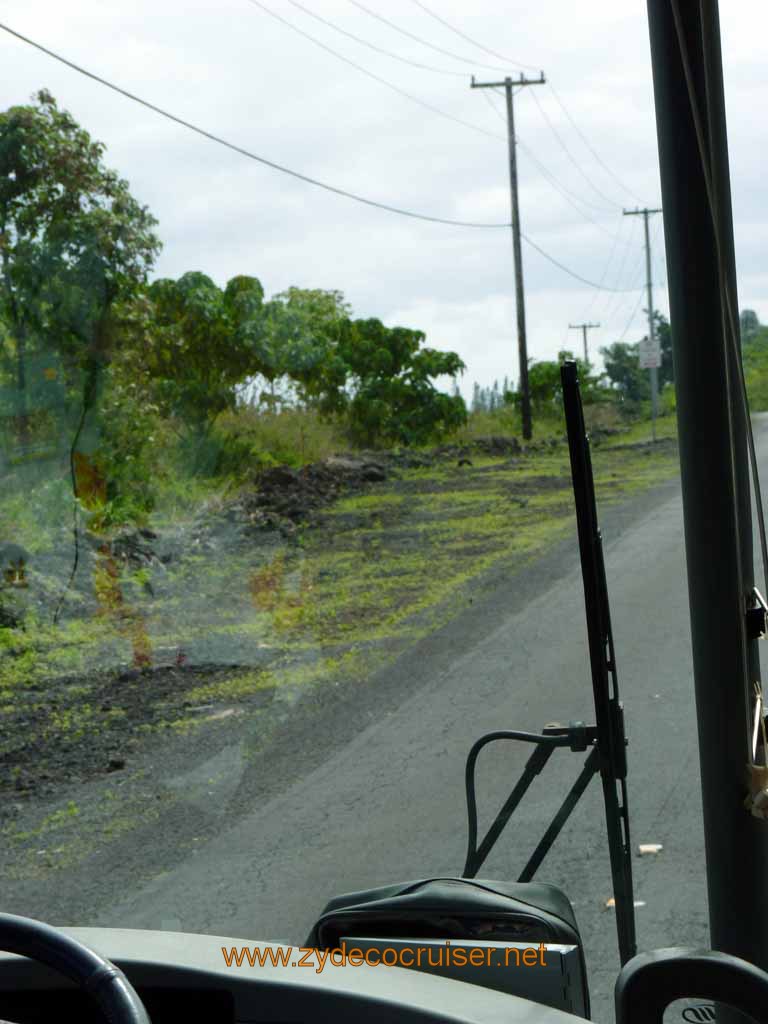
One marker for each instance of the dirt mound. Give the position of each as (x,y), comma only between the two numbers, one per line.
(292,495)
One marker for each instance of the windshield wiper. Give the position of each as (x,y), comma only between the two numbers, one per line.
(606,739)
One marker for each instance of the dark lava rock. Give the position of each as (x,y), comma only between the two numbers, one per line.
(372,473)
(495,445)
(279,476)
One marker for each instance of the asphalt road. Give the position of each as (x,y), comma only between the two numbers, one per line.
(372,789)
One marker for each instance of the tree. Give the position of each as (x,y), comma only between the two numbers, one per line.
(380,379)
(75,246)
(749,325)
(623,368)
(544,383)
(304,329)
(544,380)
(663,332)
(623,371)
(202,342)
(394,398)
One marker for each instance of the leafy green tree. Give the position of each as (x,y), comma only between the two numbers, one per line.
(379,379)
(201,342)
(544,381)
(305,328)
(623,369)
(663,332)
(392,380)
(75,246)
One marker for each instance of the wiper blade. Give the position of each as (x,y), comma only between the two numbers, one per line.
(609,714)
(605,740)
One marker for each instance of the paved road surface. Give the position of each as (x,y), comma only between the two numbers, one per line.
(387,803)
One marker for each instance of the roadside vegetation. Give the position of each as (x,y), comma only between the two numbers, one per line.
(213,499)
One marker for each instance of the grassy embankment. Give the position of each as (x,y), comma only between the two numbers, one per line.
(379,570)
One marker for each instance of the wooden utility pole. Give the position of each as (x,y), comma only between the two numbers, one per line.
(584,328)
(508,84)
(645,213)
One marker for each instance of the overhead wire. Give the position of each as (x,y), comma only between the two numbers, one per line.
(373,75)
(569,196)
(562,266)
(419,39)
(486,49)
(279,167)
(469,39)
(244,152)
(617,304)
(558,136)
(604,275)
(632,315)
(612,303)
(641,286)
(589,145)
(492,105)
(575,201)
(373,46)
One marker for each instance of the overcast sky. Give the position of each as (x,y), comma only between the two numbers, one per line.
(235,70)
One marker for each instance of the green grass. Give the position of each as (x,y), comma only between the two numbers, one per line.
(666,427)
(389,566)
(385,568)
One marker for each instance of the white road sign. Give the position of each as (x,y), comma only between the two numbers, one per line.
(649,354)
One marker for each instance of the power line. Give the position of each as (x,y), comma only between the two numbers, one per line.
(572,273)
(570,155)
(611,305)
(569,197)
(287,170)
(508,60)
(589,146)
(463,35)
(373,46)
(608,263)
(239,149)
(493,107)
(371,74)
(418,39)
(614,304)
(634,314)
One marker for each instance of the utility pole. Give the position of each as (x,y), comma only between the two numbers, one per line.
(714,465)
(522,344)
(654,361)
(584,328)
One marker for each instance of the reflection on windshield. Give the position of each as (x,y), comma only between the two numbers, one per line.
(225,515)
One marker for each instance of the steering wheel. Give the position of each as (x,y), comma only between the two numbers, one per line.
(106,984)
